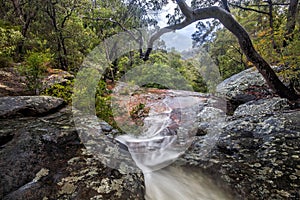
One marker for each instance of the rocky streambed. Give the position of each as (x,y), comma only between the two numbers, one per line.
(253,154)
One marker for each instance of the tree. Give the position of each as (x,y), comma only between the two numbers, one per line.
(291,21)
(226,18)
(24,12)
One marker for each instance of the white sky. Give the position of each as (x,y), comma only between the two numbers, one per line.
(181,39)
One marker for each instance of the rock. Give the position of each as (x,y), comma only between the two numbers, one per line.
(256,154)
(261,107)
(210,119)
(44,158)
(245,86)
(235,87)
(11,83)
(57,76)
(28,106)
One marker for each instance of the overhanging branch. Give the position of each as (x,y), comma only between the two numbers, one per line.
(249,9)
(185,9)
(163,31)
(138,39)
(243,38)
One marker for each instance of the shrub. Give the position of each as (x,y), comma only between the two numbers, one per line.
(34,68)
(61,90)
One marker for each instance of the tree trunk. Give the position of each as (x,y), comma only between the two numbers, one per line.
(291,21)
(271,23)
(243,38)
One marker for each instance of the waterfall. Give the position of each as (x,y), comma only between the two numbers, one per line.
(166,134)
(181,183)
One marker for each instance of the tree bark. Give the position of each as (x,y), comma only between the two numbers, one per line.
(291,21)
(243,38)
(271,22)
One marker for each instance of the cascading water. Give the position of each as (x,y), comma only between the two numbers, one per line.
(180,183)
(167,132)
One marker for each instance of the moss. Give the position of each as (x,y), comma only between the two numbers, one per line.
(61,90)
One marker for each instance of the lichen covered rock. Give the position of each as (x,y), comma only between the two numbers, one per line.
(243,87)
(257,155)
(44,158)
(20,106)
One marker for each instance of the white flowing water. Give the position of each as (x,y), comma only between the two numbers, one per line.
(179,183)
(160,145)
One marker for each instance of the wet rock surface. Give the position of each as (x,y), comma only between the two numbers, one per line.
(257,154)
(243,87)
(22,106)
(44,158)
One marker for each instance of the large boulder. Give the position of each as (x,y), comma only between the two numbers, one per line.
(262,107)
(245,86)
(19,106)
(11,83)
(42,157)
(257,154)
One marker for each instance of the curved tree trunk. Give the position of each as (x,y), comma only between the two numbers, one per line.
(243,38)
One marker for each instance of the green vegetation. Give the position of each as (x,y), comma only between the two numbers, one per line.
(34,68)
(38,35)
(138,113)
(61,90)
(269,41)
(163,70)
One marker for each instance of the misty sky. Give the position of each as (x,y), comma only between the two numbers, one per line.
(181,39)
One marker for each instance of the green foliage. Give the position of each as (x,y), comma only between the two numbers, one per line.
(5,61)
(291,59)
(34,68)
(9,39)
(61,90)
(104,110)
(227,54)
(163,70)
(268,41)
(103,104)
(138,113)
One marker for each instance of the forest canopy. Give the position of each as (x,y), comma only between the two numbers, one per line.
(63,32)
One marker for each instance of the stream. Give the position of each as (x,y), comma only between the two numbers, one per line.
(167,132)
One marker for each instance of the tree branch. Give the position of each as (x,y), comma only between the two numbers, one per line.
(185,9)
(225,5)
(116,22)
(138,39)
(243,38)
(162,31)
(249,9)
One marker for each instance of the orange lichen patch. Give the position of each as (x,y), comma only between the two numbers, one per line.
(156,91)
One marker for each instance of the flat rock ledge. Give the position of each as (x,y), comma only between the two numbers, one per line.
(26,106)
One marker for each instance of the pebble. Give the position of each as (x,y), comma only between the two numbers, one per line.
(293,177)
(257,165)
(278,173)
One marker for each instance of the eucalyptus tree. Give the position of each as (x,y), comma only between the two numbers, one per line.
(20,13)
(272,9)
(226,18)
